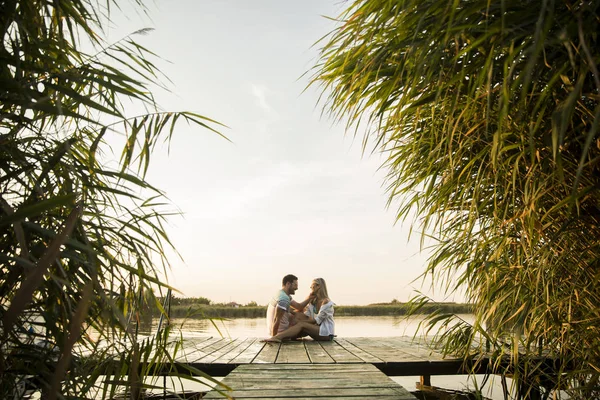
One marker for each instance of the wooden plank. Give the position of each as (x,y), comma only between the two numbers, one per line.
(339,354)
(305,396)
(304,367)
(311,381)
(220,352)
(268,354)
(206,350)
(329,393)
(379,348)
(236,351)
(197,340)
(399,362)
(184,346)
(200,342)
(414,351)
(310,374)
(338,397)
(193,348)
(196,349)
(330,380)
(357,351)
(249,381)
(249,354)
(331,375)
(190,345)
(419,346)
(316,353)
(292,352)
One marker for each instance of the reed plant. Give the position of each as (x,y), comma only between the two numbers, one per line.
(206,311)
(487,113)
(81,241)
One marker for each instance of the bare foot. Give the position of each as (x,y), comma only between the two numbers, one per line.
(271,340)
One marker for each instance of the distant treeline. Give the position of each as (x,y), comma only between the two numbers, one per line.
(251,311)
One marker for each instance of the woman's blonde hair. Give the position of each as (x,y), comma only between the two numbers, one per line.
(321,291)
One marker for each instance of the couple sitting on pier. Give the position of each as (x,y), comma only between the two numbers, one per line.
(288,319)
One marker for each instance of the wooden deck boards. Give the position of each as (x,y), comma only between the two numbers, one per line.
(393,356)
(310,381)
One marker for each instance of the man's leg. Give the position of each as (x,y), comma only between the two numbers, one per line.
(292,332)
(300,317)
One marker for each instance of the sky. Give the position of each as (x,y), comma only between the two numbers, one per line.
(291,192)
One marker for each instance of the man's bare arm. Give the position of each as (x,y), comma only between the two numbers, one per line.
(301,306)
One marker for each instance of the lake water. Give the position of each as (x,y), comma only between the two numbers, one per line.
(345,327)
(383,326)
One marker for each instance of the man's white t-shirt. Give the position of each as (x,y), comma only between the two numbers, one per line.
(280,300)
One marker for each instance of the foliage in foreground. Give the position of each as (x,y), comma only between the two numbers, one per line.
(79,241)
(488,113)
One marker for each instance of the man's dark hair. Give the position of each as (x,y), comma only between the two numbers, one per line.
(289,278)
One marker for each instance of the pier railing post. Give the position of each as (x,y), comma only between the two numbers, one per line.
(425,380)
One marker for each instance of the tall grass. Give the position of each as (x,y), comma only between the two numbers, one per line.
(81,240)
(488,114)
(204,311)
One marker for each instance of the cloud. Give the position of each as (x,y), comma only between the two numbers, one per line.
(260,94)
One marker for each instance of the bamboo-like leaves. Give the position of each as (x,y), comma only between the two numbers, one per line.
(487,112)
(70,279)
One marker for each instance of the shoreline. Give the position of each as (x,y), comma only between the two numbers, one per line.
(400,309)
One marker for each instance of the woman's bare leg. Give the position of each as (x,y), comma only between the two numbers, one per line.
(313,332)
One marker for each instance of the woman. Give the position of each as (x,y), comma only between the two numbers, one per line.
(319,323)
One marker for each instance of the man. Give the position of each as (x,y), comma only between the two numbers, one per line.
(279,317)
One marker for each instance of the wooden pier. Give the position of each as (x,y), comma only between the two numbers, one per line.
(310,381)
(394,356)
(345,368)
